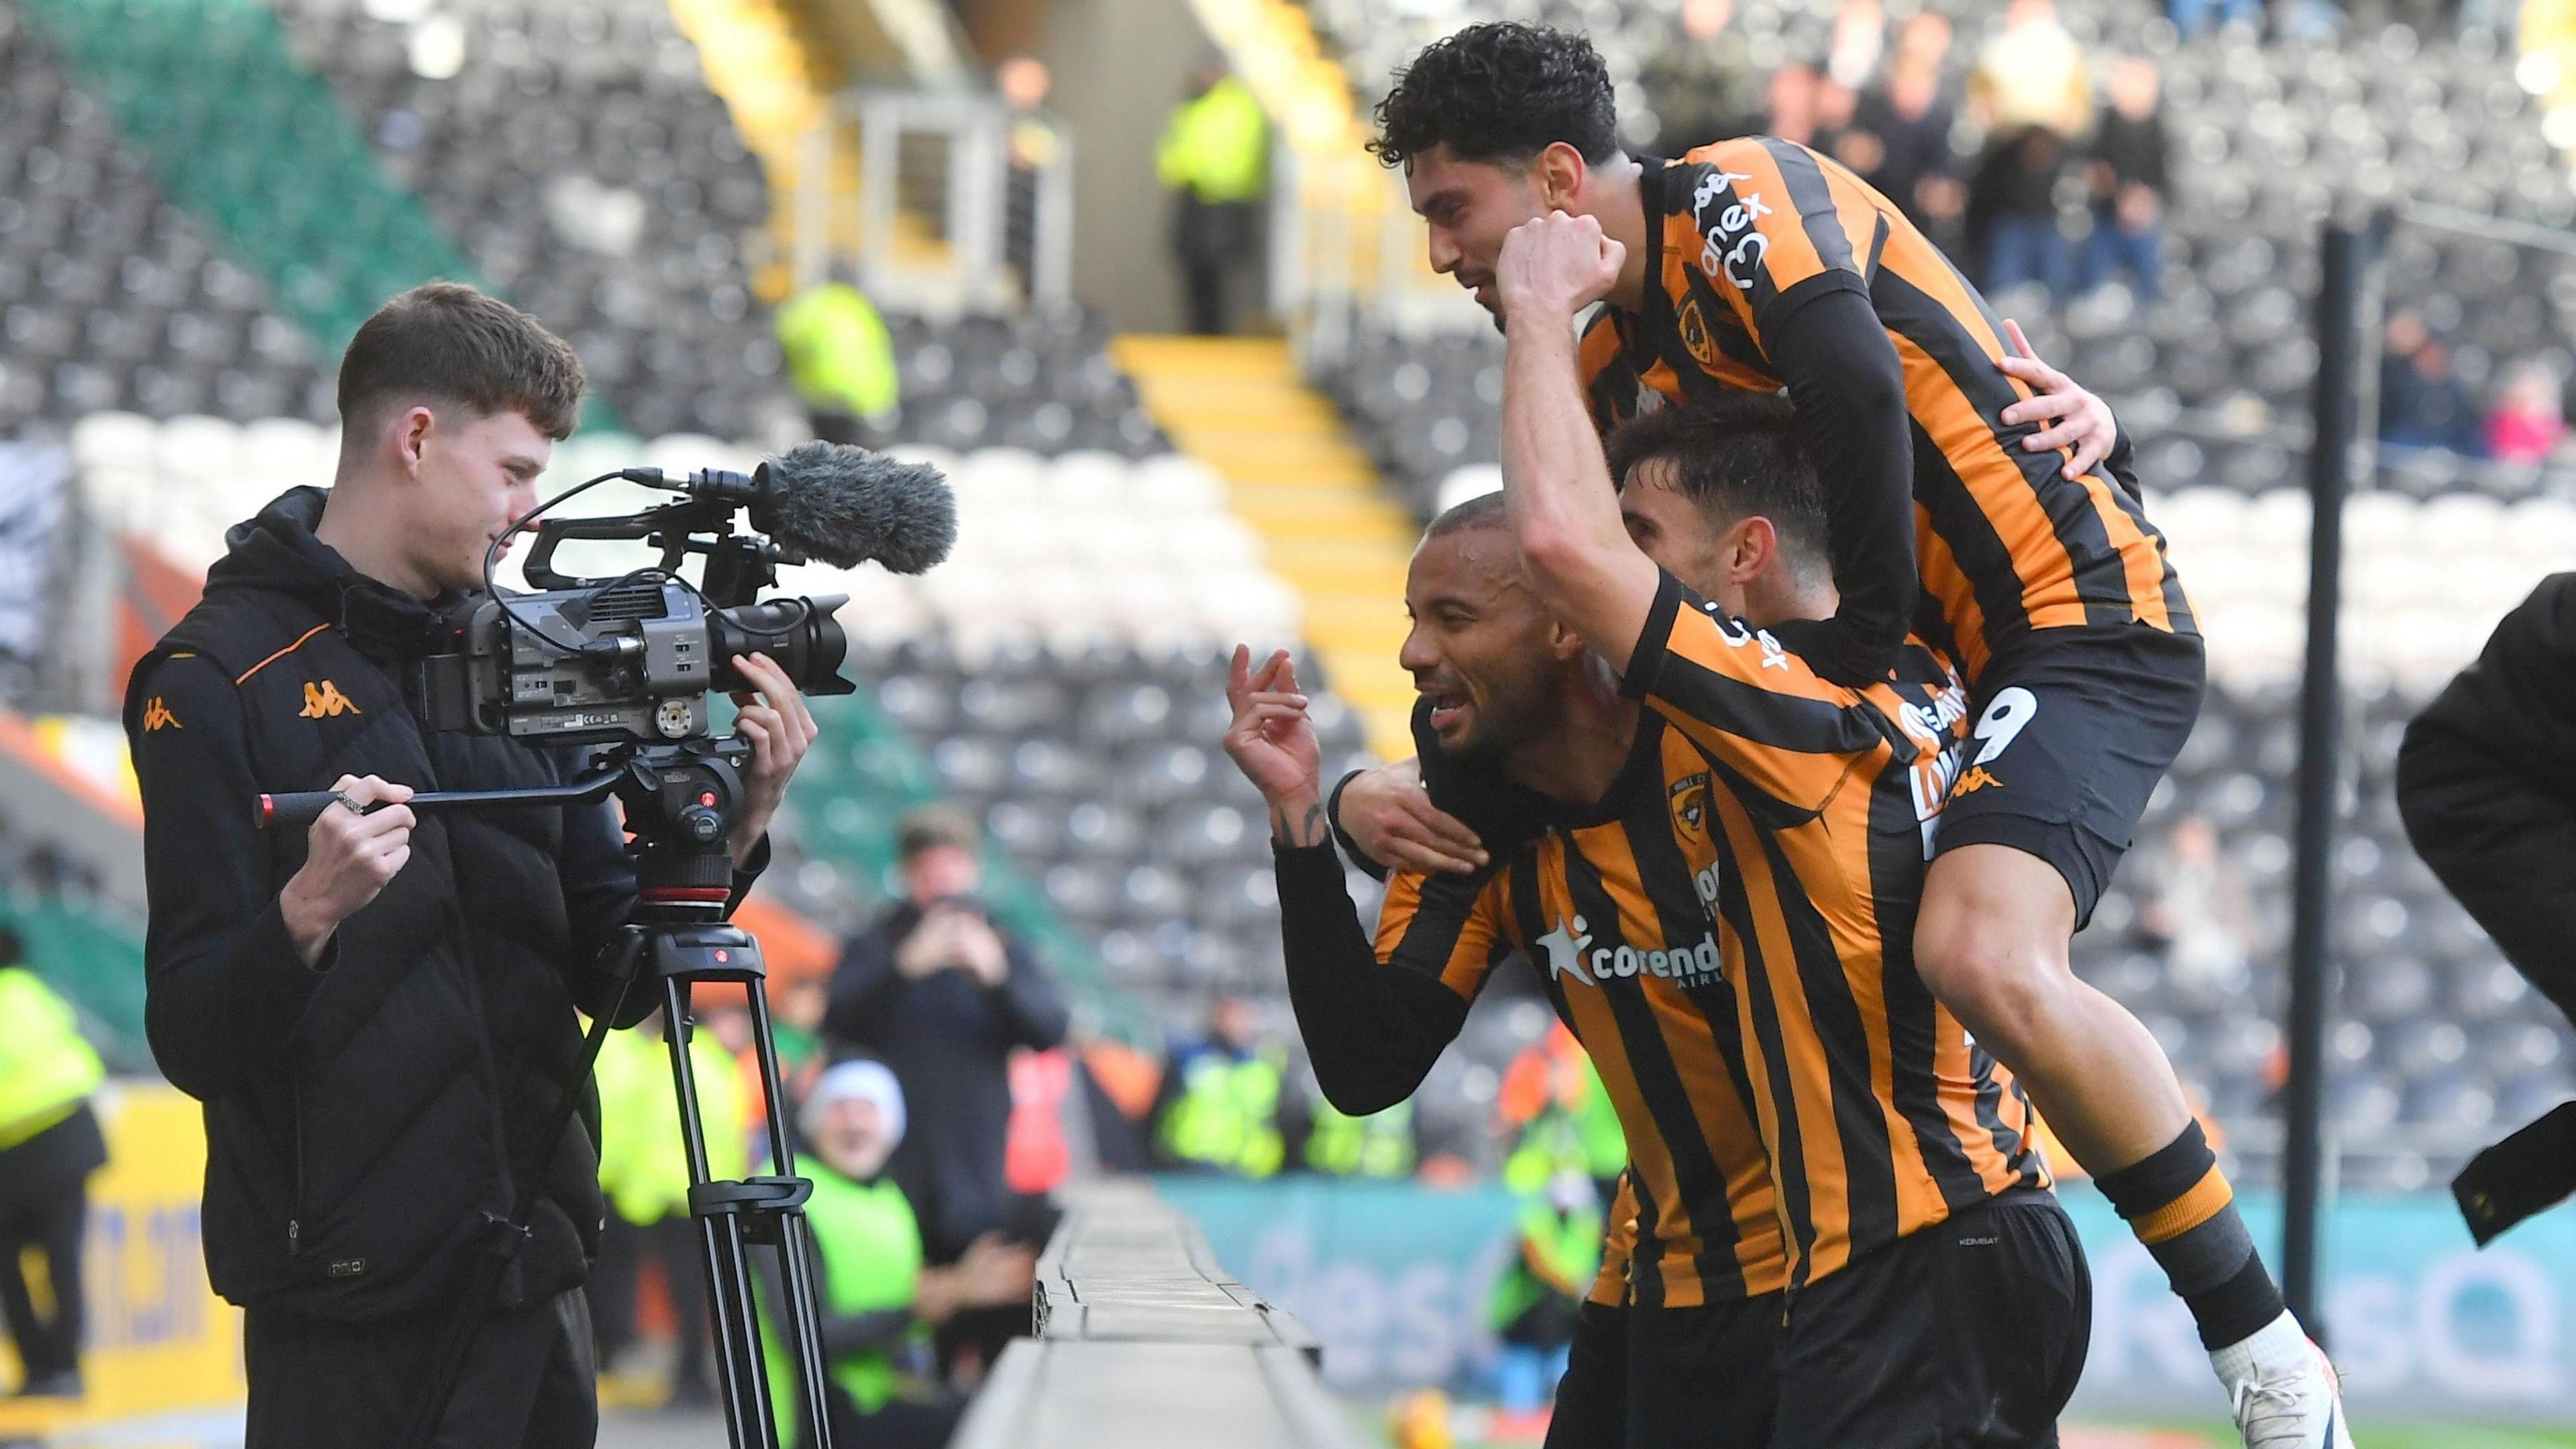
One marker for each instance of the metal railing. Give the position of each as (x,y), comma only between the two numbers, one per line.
(945,202)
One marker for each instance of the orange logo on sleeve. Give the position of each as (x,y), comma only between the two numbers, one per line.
(157,715)
(324,700)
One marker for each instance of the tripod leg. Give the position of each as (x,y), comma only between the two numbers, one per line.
(795,1236)
(729,1306)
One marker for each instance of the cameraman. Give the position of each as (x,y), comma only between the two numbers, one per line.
(378,1012)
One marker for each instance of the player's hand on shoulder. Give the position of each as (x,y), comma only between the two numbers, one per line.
(1555,266)
(2078,419)
(1387,814)
(1270,738)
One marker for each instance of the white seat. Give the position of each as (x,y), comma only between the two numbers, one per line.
(115,440)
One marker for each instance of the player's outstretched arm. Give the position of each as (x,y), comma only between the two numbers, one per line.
(1557,490)
(1371,1031)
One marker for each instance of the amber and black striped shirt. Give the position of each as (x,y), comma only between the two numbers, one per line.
(1610,905)
(1740,235)
(1878,1113)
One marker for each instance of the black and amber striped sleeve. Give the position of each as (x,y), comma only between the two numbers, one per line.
(1610,381)
(1372,1028)
(1790,240)
(1749,702)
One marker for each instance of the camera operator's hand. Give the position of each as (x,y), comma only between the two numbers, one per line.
(781,729)
(1386,813)
(348,859)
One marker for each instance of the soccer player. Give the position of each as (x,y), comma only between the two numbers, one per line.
(1654,857)
(1696,1321)
(1757,264)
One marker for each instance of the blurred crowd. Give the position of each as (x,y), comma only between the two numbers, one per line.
(2040,165)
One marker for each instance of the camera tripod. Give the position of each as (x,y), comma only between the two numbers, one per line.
(681,801)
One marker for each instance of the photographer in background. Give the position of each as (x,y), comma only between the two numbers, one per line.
(943,994)
(377,1012)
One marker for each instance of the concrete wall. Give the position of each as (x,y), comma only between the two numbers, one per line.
(1120,66)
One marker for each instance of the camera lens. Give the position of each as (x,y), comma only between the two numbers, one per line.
(801,635)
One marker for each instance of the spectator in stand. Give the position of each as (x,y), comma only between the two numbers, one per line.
(2526,425)
(1790,103)
(2032,74)
(1024,82)
(1214,158)
(1703,86)
(2129,174)
(942,994)
(2030,90)
(2421,402)
(2196,911)
(49,1145)
(1900,144)
(1860,36)
(2191,17)
(877,1295)
(2012,213)
(1221,1105)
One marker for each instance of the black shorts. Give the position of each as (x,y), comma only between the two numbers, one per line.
(2069,734)
(1670,1378)
(1970,1332)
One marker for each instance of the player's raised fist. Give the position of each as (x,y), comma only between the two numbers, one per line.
(1555,266)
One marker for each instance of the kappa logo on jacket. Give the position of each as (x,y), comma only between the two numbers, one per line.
(157,715)
(323,700)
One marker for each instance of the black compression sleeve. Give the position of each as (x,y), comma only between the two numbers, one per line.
(1372,1030)
(1843,376)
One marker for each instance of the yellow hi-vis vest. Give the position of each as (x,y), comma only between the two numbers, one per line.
(1377,1145)
(1218,146)
(46,1069)
(643,1164)
(1227,1115)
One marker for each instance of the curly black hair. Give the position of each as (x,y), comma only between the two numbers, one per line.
(1500,91)
(1734,454)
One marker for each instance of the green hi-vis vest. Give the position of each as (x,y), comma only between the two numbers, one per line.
(1568,1245)
(46,1069)
(1377,1145)
(1227,1115)
(1218,146)
(839,354)
(643,1164)
(871,1251)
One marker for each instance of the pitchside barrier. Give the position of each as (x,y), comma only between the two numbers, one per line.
(1143,1342)
(1393,1279)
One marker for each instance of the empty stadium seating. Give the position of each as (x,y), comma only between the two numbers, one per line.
(575,154)
(109,296)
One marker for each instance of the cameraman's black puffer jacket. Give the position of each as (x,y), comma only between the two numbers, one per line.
(363,1118)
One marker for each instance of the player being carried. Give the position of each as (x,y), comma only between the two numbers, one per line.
(1758,264)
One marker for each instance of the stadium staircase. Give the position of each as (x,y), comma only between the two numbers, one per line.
(776,75)
(1294,475)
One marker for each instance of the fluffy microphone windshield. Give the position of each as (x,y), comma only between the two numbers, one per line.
(842,505)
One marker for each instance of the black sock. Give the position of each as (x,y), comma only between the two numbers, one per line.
(2180,1205)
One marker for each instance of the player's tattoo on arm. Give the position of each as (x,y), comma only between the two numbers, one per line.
(1300,828)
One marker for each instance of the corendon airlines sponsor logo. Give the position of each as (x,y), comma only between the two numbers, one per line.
(1571,955)
(1733,247)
